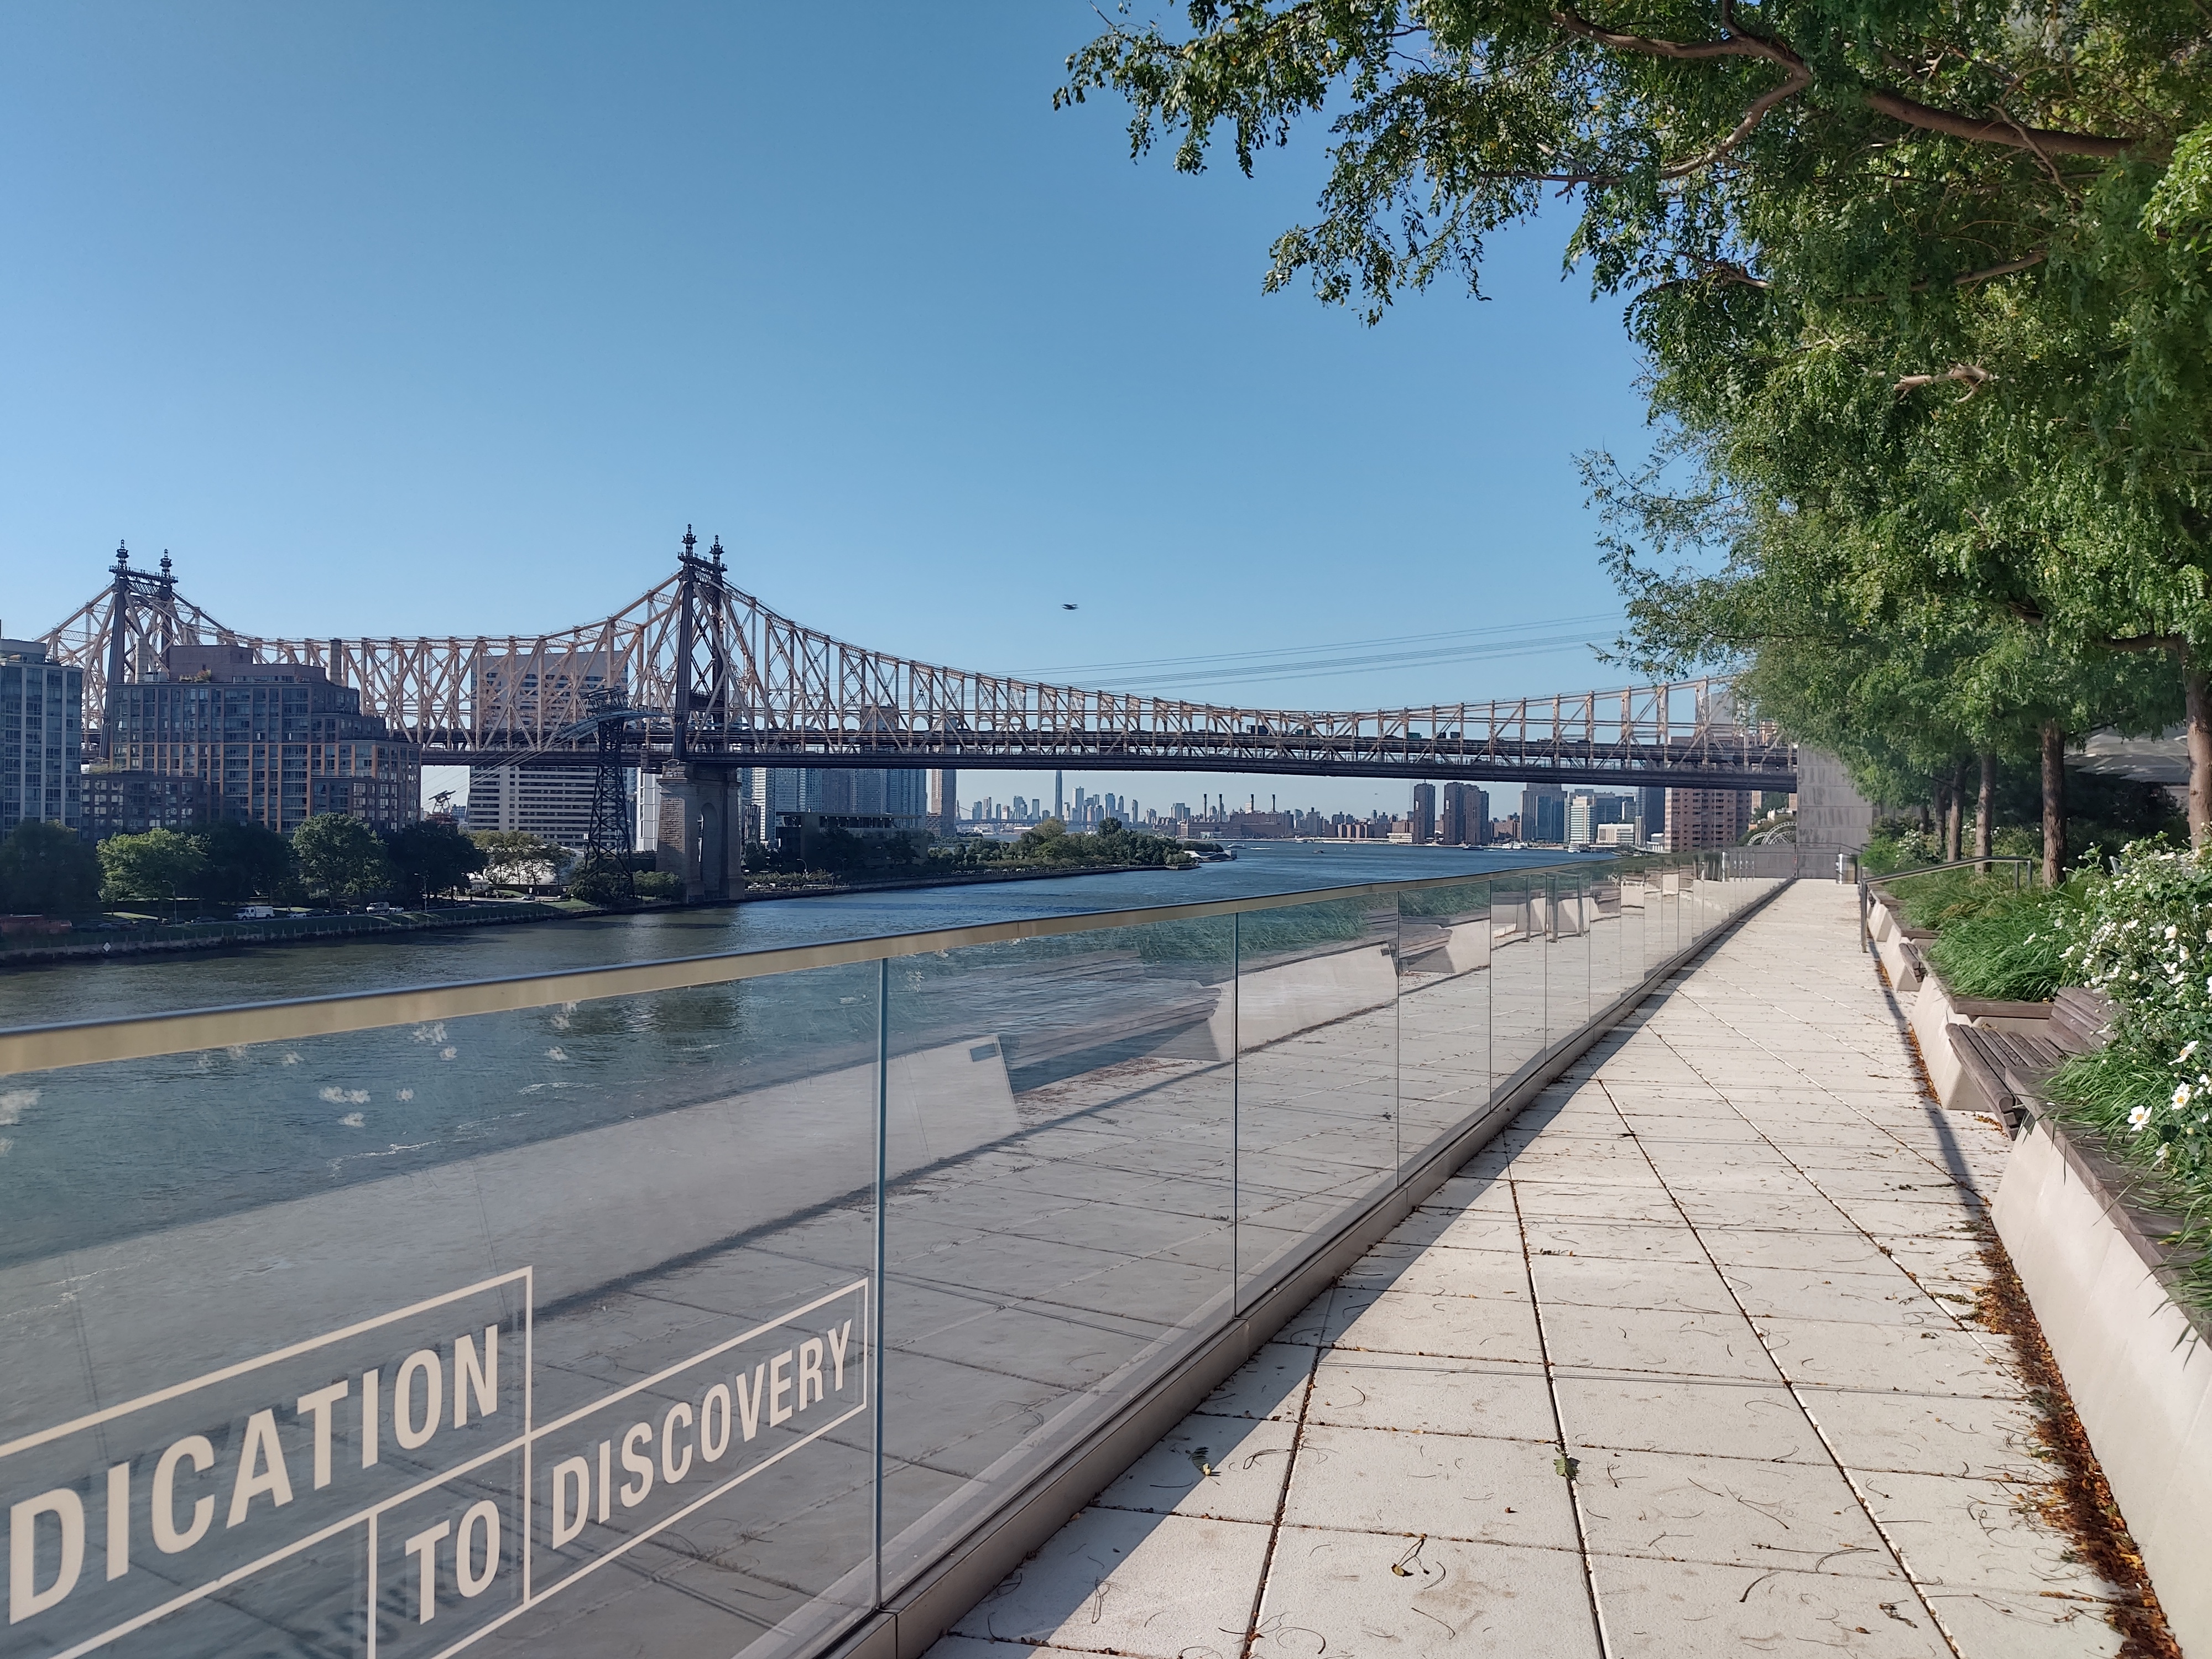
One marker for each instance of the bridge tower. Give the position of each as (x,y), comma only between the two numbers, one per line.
(142,619)
(710,855)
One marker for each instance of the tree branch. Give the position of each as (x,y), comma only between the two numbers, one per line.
(2173,642)
(2039,139)
(1969,375)
(1738,43)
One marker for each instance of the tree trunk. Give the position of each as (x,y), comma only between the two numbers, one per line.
(1984,806)
(2196,697)
(2054,804)
(1954,811)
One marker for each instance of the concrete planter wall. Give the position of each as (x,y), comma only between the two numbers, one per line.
(2135,1361)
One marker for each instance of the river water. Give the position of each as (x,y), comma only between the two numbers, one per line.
(153,984)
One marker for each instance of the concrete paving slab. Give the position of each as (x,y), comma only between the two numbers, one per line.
(1635,1410)
(1966,1436)
(1130,1584)
(1335,1597)
(1656,1609)
(1272,1383)
(1978,1534)
(1985,1625)
(1220,1468)
(1655,1340)
(1851,1355)
(1448,1328)
(1431,1395)
(1729,1511)
(1591,1281)
(1874,1298)
(1445,1486)
(1661,1241)
(1491,1275)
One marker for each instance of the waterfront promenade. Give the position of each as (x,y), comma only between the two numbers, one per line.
(1686,1362)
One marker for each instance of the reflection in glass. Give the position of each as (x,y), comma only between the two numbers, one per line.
(1059,1222)
(1318,1075)
(1445,939)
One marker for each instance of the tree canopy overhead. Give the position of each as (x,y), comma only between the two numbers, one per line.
(1684,128)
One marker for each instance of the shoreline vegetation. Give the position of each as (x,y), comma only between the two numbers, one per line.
(151,937)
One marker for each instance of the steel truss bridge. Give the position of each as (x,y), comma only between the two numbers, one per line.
(708,676)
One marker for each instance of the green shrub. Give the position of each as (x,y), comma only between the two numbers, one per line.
(2012,947)
(657,884)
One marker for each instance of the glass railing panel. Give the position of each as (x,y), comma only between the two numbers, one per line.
(1317,1068)
(1059,1221)
(554,1324)
(1610,971)
(1567,964)
(1517,977)
(1445,942)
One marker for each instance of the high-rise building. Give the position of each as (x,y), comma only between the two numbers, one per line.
(1421,822)
(553,803)
(272,743)
(1653,806)
(1459,820)
(943,803)
(1544,815)
(41,720)
(1706,817)
(1581,818)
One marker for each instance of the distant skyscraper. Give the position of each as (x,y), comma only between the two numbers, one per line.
(1581,814)
(1423,820)
(1544,815)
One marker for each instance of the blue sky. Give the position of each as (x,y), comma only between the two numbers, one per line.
(425,318)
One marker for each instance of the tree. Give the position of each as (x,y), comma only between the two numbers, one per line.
(432,858)
(159,867)
(244,861)
(48,869)
(603,878)
(1910,686)
(341,860)
(1947,263)
(517,858)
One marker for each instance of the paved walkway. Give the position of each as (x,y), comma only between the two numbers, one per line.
(1725,1265)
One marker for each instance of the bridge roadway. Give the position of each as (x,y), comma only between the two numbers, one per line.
(1729,1266)
(1684,767)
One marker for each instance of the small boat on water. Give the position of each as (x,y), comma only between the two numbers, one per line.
(1209,852)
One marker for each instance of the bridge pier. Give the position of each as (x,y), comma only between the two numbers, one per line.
(702,830)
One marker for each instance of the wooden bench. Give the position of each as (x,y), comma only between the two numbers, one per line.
(2012,1066)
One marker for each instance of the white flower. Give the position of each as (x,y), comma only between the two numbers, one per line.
(2187,1049)
(2181,1094)
(2171,931)
(2138,1117)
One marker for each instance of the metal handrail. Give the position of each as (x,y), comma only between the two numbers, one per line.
(1866,883)
(44,1047)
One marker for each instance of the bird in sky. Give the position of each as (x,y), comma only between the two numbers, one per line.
(1068,607)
